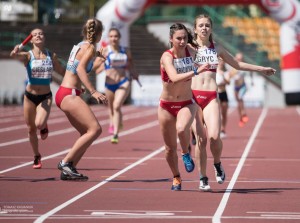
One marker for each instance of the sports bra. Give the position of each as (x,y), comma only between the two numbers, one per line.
(116,59)
(208,55)
(39,71)
(182,65)
(73,62)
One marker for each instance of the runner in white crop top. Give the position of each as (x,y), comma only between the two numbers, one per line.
(73,62)
(76,109)
(205,87)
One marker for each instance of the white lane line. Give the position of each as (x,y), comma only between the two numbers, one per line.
(159,217)
(218,214)
(59,118)
(127,132)
(71,129)
(273,212)
(62,206)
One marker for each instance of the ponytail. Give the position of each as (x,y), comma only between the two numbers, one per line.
(92,29)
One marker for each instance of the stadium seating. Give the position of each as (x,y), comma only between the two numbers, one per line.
(262,31)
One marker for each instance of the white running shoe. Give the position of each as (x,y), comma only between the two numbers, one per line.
(223,135)
(204,186)
(219,173)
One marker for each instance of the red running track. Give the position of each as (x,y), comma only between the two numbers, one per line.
(131,181)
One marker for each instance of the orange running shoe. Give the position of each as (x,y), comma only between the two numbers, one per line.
(176,184)
(245,118)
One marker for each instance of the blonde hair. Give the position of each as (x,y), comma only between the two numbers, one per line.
(92,28)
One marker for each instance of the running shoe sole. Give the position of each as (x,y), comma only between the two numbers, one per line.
(66,177)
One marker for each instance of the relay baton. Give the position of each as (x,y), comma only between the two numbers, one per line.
(28,38)
(139,83)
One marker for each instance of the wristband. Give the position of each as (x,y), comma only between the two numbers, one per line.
(93,92)
(196,70)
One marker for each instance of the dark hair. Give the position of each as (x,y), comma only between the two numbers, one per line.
(91,29)
(115,29)
(210,21)
(179,26)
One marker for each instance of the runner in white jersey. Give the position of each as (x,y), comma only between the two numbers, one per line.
(204,89)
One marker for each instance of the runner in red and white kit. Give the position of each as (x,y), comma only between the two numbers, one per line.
(204,89)
(177,109)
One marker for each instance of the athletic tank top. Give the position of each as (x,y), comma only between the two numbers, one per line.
(116,59)
(207,55)
(39,71)
(182,65)
(73,62)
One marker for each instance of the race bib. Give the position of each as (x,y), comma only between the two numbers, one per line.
(183,65)
(42,69)
(207,55)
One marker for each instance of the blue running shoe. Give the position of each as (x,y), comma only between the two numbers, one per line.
(188,162)
(176,184)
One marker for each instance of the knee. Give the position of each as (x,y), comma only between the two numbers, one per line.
(96,131)
(215,140)
(32,130)
(117,107)
(38,125)
(170,151)
(202,140)
(214,135)
(181,130)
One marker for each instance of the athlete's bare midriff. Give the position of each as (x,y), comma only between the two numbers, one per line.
(205,81)
(38,89)
(180,91)
(114,75)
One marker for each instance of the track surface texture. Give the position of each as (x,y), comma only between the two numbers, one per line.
(131,182)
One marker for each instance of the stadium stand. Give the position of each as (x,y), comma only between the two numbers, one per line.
(262,31)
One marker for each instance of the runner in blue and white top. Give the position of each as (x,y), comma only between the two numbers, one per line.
(119,72)
(40,64)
